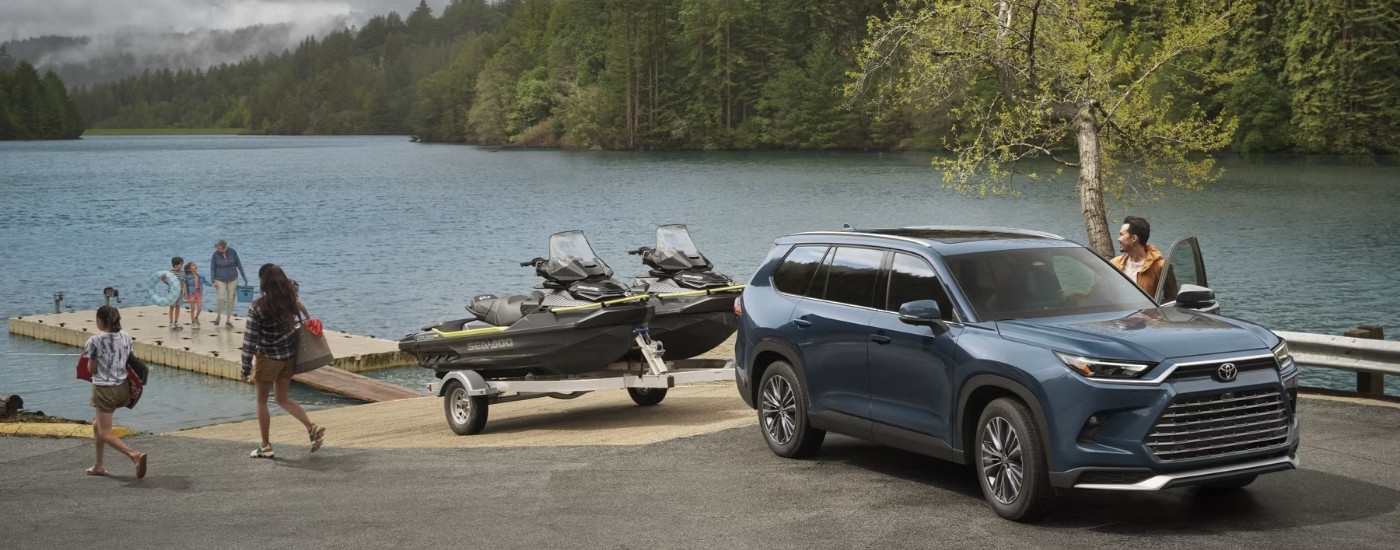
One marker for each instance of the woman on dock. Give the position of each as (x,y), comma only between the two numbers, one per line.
(106,353)
(270,352)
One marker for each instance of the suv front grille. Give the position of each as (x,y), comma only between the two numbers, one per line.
(1209,369)
(1221,424)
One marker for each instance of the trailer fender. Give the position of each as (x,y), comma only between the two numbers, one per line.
(470,379)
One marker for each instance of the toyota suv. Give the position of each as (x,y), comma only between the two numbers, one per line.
(1018,352)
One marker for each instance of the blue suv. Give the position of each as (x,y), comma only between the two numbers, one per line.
(1018,352)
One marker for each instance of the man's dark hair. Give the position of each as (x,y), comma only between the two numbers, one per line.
(1138,226)
(176,261)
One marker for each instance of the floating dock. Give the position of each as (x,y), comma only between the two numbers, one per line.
(216,351)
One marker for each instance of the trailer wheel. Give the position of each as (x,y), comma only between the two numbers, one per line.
(466,414)
(647,397)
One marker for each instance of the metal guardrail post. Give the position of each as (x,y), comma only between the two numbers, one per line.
(1372,383)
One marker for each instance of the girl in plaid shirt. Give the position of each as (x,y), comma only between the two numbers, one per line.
(270,353)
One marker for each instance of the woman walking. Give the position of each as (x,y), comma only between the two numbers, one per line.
(225,268)
(269,353)
(106,353)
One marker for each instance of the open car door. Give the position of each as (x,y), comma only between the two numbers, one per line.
(1184,266)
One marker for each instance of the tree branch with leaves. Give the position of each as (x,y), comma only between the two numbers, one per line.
(1043,78)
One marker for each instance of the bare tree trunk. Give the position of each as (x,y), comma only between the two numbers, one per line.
(1090,181)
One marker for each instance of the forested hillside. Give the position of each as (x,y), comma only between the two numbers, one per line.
(32,107)
(1311,76)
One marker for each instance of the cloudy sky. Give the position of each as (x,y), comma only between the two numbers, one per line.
(27,18)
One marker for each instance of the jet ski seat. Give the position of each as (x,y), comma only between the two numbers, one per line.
(498,311)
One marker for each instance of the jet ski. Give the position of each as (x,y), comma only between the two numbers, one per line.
(694,304)
(580,319)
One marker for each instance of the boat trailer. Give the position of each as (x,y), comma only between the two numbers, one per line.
(467,395)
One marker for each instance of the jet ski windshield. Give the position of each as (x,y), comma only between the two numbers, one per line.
(572,259)
(675,251)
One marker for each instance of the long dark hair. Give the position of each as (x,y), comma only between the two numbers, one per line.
(109,319)
(278,302)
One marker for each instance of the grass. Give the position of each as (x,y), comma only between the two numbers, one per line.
(39,418)
(161,131)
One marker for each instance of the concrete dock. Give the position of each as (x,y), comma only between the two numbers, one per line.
(216,350)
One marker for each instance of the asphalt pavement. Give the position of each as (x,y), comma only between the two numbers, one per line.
(718,490)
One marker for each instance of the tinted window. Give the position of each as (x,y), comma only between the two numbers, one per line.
(911,278)
(1182,270)
(1018,284)
(794,276)
(854,273)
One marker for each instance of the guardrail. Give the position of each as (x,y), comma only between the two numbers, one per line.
(1370,359)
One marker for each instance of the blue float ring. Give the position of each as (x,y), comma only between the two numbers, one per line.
(164,293)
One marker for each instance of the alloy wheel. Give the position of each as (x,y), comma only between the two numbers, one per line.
(778,407)
(1002,465)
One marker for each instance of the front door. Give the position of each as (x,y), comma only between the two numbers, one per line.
(1184,266)
(911,368)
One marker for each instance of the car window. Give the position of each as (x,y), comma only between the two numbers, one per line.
(1027,283)
(854,272)
(912,278)
(794,275)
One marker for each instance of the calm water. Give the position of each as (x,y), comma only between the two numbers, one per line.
(385,236)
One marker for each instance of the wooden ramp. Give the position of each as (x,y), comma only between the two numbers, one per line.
(353,385)
(216,350)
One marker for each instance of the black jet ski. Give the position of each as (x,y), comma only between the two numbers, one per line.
(694,304)
(578,320)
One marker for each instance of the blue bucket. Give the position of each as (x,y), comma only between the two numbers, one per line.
(246,293)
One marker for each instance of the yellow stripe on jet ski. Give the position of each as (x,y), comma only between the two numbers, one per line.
(639,297)
(468,332)
(700,292)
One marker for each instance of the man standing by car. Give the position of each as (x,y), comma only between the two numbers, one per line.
(1141,262)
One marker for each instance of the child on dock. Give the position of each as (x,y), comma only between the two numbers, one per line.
(175,277)
(106,353)
(194,292)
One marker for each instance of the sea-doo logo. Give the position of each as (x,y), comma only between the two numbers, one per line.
(586,287)
(1227,372)
(499,343)
(689,276)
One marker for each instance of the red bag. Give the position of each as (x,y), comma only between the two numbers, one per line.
(83,372)
(135,386)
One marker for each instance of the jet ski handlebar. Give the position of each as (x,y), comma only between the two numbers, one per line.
(640,251)
(533,263)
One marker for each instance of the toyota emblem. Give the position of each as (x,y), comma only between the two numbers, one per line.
(1227,372)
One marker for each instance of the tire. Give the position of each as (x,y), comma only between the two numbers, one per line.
(1232,484)
(1010,461)
(782,413)
(466,415)
(647,397)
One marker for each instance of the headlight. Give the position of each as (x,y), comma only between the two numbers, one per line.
(1284,358)
(1099,368)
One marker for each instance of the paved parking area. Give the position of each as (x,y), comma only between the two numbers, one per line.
(717,490)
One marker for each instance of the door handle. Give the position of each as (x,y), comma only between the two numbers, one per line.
(880,339)
(802,323)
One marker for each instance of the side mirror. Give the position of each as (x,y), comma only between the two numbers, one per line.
(1191,295)
(923,313)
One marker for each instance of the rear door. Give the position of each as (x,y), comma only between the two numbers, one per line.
(831,326)
(1184,266)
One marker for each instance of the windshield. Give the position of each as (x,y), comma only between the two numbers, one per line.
(675,238)
(1042,282)
(573,247)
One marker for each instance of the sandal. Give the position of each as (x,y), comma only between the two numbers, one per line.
(262,452)
(141,466)
(318,435)
(94,472)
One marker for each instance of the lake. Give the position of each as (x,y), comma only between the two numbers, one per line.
(385,236)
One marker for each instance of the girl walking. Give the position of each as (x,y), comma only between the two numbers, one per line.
(270,352)
(106,353)
(194,292)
